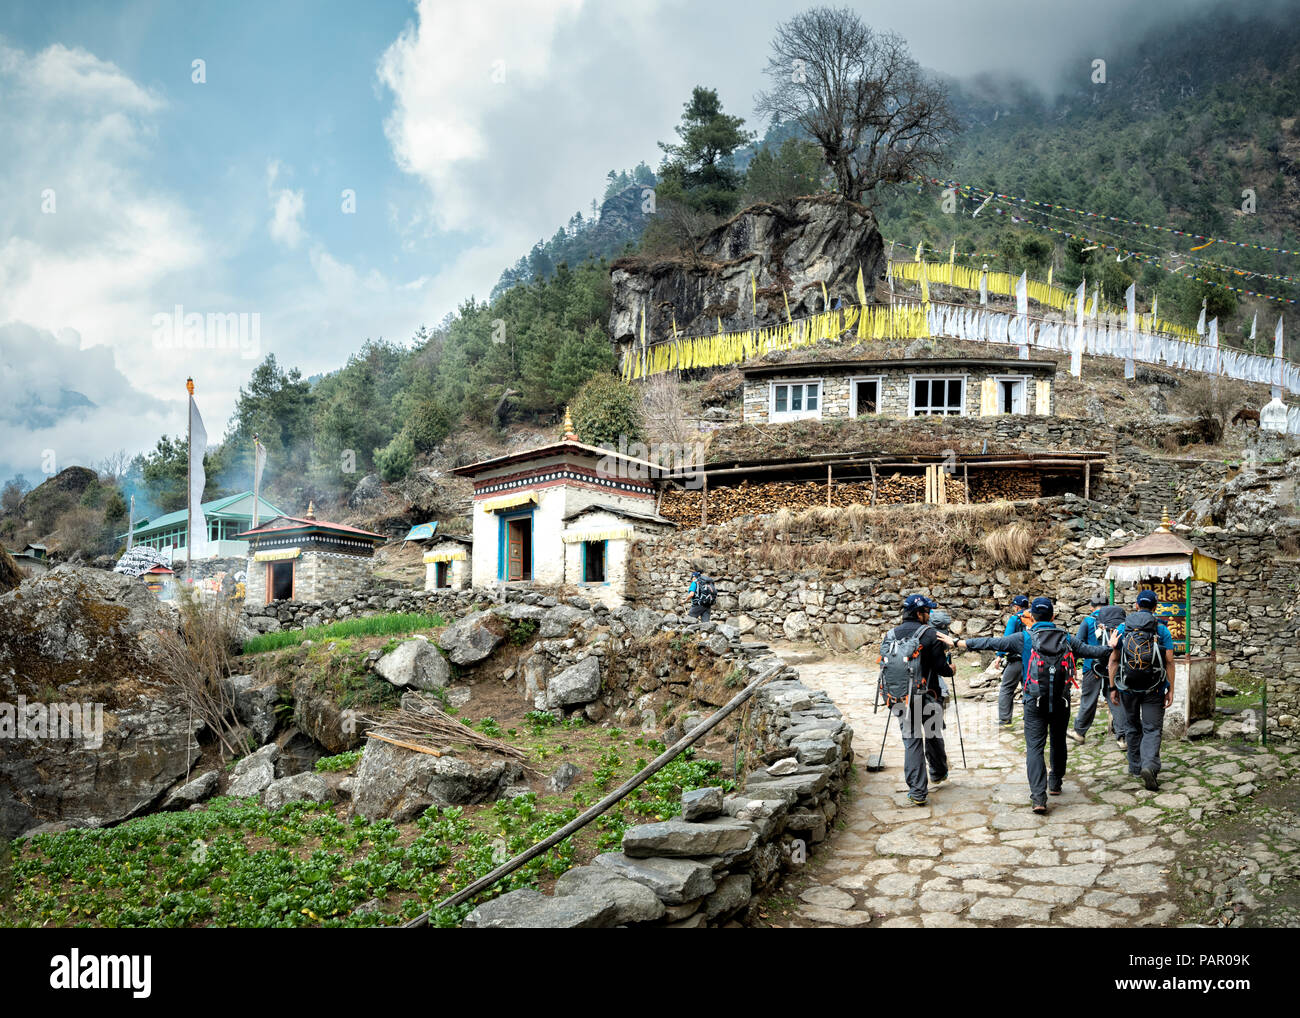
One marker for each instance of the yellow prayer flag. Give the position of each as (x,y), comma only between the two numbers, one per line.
(919,245)
(786,298)
(952,255)
(826,301)
(1049,275)
(753,286)
(862,290)
(925,287)
(643,325)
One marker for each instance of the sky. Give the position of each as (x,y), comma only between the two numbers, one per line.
(186,188)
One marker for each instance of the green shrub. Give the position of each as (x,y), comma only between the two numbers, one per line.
(605,409)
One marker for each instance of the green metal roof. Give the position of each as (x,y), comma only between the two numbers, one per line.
(214,509)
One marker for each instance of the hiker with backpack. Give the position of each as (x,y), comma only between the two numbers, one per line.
(1142,674)
(703,595)
(913,656)
(1011,664)
(1094,681)
(1047,657)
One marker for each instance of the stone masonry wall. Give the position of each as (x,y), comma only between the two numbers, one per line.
(1257,600)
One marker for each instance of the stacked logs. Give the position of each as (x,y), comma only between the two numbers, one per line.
(746,499)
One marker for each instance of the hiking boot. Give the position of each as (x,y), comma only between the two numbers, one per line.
(1121,741)
(915,800)
(936,782)
(1040,808)
(1148,777)
(1006,725)
(1078,737)
(1053,791)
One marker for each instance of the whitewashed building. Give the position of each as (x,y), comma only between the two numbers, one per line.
(561,514)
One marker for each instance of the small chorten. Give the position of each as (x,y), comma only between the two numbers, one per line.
(1166,524)
(569,434)
(311,510)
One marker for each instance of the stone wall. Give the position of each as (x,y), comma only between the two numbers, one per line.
(1257,599)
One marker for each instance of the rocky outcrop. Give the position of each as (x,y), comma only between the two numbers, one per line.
(789,248)
(472,639)
(399,784)
(102,739)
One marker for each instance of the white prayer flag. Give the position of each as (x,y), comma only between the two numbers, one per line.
(198,445)
(984,286)
(1254,322)
(1200,322)
(1076,353)
(1022,312)
(1130,299)
(1277,356)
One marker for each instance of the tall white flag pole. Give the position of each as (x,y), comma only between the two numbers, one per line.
(1022,312)
(130,526)
(189,480)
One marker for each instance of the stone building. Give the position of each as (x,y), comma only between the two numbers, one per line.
(561,514)
(306,559)
(965,386)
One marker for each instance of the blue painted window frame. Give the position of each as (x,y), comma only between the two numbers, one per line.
(604,553)
(502,561)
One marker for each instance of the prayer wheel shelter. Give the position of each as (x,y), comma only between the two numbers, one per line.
(447,562)
(1168,564)
(306,559)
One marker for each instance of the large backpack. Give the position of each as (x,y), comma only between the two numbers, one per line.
(706,593)
(1049,666)
(1141,661)
(900,665)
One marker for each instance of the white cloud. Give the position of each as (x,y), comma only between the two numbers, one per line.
(286,220)
(462,63)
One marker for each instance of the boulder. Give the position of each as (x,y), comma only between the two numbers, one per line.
(473,638)
(633,901)
(565,775)
(254,772)
(527,909)
(796,626)
(306,787)
(415,663)
(732,895)
(254,704)
(577,684)
(846,637)
(367,489)
(675,839)
(193,791)
(316,714)
(701,803)
(674,881)
(401,784)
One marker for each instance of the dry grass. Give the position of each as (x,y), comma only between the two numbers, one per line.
(922,538)
(197,659)
(1011,546)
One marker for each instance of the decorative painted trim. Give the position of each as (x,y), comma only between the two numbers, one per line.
(509,501)
(566,475)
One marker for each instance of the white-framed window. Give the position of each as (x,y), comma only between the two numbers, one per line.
(1010,390)
(865,393)
(937,395)
(793,401)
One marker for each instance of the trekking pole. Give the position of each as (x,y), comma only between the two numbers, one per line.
(877,763)
(957,710)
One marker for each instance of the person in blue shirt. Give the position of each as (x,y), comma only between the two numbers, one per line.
(1095,628)
(1041,719)
(1011,669)
(1143,704)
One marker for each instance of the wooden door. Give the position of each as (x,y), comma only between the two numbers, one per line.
(515,550)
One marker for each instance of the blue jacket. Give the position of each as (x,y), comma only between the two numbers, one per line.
(1014,625)
(1020,644)
(1088,634)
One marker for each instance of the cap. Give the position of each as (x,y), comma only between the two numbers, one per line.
(1099,598)
(941,620)
(1020,601)
(1042,607)
(916,603)
(1147,597)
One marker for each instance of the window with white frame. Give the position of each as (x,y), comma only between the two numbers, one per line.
(938,395)
(795,400)
(864,395)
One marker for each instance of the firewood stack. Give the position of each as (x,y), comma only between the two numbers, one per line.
(726,503)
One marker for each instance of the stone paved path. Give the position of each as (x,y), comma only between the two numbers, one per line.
(977,856)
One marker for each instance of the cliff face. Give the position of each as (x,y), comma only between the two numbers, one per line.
(793,246)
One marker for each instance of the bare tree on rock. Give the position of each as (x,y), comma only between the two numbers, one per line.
(861,96)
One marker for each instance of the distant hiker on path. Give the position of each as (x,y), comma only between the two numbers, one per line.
(1047,655)
(1098,627)
(1142,672)
(703,593)
(913,656)
(1011,669)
